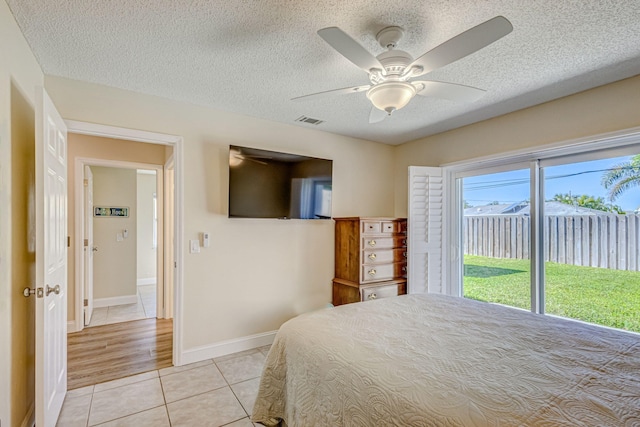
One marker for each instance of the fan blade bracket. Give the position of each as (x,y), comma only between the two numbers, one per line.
(412,71)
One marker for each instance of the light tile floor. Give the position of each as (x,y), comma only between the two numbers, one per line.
(145,308)
(212,393)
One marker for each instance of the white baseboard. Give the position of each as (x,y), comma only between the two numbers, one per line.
(147,281)
(30,418)
(106,302)
(223,348)
(73,326)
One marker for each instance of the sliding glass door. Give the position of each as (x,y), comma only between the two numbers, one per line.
(591,238)
(496,238)
(558,235)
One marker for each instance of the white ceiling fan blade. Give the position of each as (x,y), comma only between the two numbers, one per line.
(463,44)
(243,157)
(451,91)
(349,48)
(377,115)
(343,91)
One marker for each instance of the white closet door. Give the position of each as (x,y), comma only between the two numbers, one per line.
(425,230)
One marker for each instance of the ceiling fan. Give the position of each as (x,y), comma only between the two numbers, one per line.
(390,73)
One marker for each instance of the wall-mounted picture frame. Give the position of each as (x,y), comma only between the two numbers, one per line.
(111,211)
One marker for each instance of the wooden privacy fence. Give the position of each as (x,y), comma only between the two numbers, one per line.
(608,241)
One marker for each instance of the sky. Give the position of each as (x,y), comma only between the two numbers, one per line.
(513,186)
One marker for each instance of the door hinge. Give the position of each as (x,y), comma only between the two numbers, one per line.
(85,182)
(86,303)
(175,264)
(86,242)
(68,241)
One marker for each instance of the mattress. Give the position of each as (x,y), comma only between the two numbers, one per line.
(433,360)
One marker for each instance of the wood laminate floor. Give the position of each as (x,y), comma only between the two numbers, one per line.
(109,352)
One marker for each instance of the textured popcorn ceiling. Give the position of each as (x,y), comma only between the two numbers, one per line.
(252,57)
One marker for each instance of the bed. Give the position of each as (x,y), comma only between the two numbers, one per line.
(433,360)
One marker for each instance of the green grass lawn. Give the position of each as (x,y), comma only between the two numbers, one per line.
(595,295)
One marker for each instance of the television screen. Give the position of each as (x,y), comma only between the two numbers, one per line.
(269,184)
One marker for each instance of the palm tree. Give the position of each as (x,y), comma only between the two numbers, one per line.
(622,177)
(586,201)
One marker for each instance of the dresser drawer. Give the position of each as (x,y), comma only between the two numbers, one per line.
(375,273)
(383,227)
(368,293)
(371,227)
(381,256)
(378,256)
(383,242)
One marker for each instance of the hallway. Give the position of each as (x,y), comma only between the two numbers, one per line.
(108,352)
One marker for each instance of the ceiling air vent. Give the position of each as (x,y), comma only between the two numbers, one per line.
(311,121)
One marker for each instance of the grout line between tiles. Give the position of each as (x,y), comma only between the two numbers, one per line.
(128,415)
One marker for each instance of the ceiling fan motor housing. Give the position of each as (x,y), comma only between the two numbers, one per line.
(395,63)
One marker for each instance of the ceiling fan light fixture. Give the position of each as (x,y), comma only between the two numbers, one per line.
(391,96)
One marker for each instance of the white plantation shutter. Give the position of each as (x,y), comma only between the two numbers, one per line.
(425,230)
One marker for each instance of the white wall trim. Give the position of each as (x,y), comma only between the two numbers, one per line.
(177,142)
(223,348)
(146,281)
(106,131)
(121,300)
(72,326)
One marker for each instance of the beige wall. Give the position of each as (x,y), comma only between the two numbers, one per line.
(608,108)
(114,264)
(93,147)
(19,76)
(146,253)
(257,273)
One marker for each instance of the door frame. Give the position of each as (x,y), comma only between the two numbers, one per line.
(80,164)
(176,142)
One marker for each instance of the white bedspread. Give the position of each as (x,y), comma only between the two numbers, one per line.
(430,360)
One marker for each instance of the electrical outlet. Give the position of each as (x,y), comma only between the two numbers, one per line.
(194,246)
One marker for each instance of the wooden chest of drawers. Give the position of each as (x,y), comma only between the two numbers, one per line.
(370,259)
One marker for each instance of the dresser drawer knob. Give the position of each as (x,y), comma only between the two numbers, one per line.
(372,296)
(372,242)
(372,273)
(404,268)
(372,256)
(404,241)
(404,254)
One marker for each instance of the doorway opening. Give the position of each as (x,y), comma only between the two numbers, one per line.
(153,223)
(123,259)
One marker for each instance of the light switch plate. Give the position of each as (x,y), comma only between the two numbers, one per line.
(194,246)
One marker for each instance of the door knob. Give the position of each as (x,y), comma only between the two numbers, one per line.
(94,249)
(55,290)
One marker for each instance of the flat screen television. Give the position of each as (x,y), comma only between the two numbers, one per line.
(270,184)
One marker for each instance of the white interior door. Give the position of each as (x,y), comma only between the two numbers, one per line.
(51,261)
(89,249)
